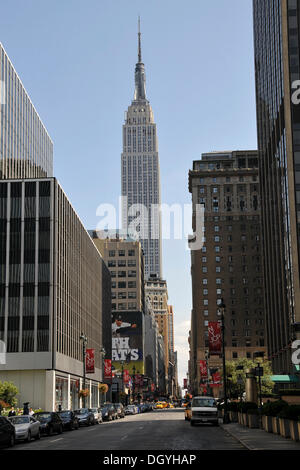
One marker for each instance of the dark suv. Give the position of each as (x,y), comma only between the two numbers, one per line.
(109,412)
(50,422)
(120,410)
(69,419)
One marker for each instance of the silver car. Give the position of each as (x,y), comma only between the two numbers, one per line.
(97,414)
(26,427)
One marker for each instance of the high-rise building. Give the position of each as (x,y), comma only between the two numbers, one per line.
(156,292)
(54,286)
(26,150)
(277,71)
(140,173)
(229,265)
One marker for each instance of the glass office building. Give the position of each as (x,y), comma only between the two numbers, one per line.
(26,150)
(277,56)
(54,285)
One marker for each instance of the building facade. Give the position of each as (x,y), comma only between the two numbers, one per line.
(229,265)
(54,286)
(26,150)
(277,70)
(140,174)
(125,261)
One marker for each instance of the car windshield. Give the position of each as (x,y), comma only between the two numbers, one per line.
(65,414)
(204,402)
(93,410)
(19,420)
(44,417)
(83,411)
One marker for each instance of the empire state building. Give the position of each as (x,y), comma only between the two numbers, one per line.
(140,173)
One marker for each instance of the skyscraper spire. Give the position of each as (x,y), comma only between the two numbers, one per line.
(140,79)
(139,42)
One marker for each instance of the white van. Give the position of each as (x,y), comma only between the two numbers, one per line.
(204,410)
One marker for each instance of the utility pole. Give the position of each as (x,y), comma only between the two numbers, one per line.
(222,307)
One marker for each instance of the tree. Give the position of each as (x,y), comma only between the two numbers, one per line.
(8,392)
(266,383)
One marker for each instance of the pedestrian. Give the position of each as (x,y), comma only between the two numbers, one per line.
(12,412)
(31,412)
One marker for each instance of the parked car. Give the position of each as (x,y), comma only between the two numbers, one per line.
(97,415)
(50,422)
(109,412)
(120,410)
(130,410)
(204,410)
(85,417)
(69,419)
(7,432)
(26,427)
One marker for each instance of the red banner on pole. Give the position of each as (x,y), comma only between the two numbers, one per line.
(126,376)
(185,384)
(152,387)
(203,369)
(214,336)
(90,361)
(107,369)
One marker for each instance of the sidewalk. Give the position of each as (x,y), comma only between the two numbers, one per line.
(258,439)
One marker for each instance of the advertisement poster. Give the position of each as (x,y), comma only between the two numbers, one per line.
(214,336)
(127,342)
(90,361)
(126,376)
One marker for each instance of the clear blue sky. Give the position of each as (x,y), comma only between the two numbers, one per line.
(76,59)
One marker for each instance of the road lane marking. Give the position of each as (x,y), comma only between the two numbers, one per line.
(55,440)
(124,437)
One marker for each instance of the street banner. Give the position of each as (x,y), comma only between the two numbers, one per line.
(216,378)
(203,369)
(185,384)
(90,361)
(214,337)
(107,369)
(152,387)
(125,376)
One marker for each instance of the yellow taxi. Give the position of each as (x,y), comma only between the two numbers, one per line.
(160,405)
(188,411)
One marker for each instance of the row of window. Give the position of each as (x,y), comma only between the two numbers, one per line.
(128,273)
(124,306)
(123,285)
(122,263)
(112,253)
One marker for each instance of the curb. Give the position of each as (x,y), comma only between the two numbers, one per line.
(237,438)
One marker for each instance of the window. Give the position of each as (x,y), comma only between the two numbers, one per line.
(205,302)
(111,253)
(131,273)
(121,273)
(218,281)
(122,285)
(204,270)
(112,264)
(121,295)
(121,263)
(217,238)
(131,262)
(205,281)
(218,259)
(205,291)
(205,313)
(121,252)
(217,249)
(217,228)
(204,259)
(218,269)
(131,252)
(131,284)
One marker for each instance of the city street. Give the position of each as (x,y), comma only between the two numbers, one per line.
(159,429)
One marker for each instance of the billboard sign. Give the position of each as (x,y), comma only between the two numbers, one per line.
(127,342)
(107,369)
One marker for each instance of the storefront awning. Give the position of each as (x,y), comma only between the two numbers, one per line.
(284,378)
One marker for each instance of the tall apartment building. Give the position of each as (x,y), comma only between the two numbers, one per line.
(140,174)
(125,260)
(26,150)
(156,292)
(54,286)
(229,265)
(277,70)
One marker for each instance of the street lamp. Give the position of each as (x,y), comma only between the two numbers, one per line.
(83,338)
(133,385)
(259,372)
(103,352)
(222,308)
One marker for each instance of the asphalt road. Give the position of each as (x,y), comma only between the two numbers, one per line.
(156,430)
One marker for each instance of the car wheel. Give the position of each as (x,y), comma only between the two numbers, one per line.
(28,437)
(38,436)
(60,429)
